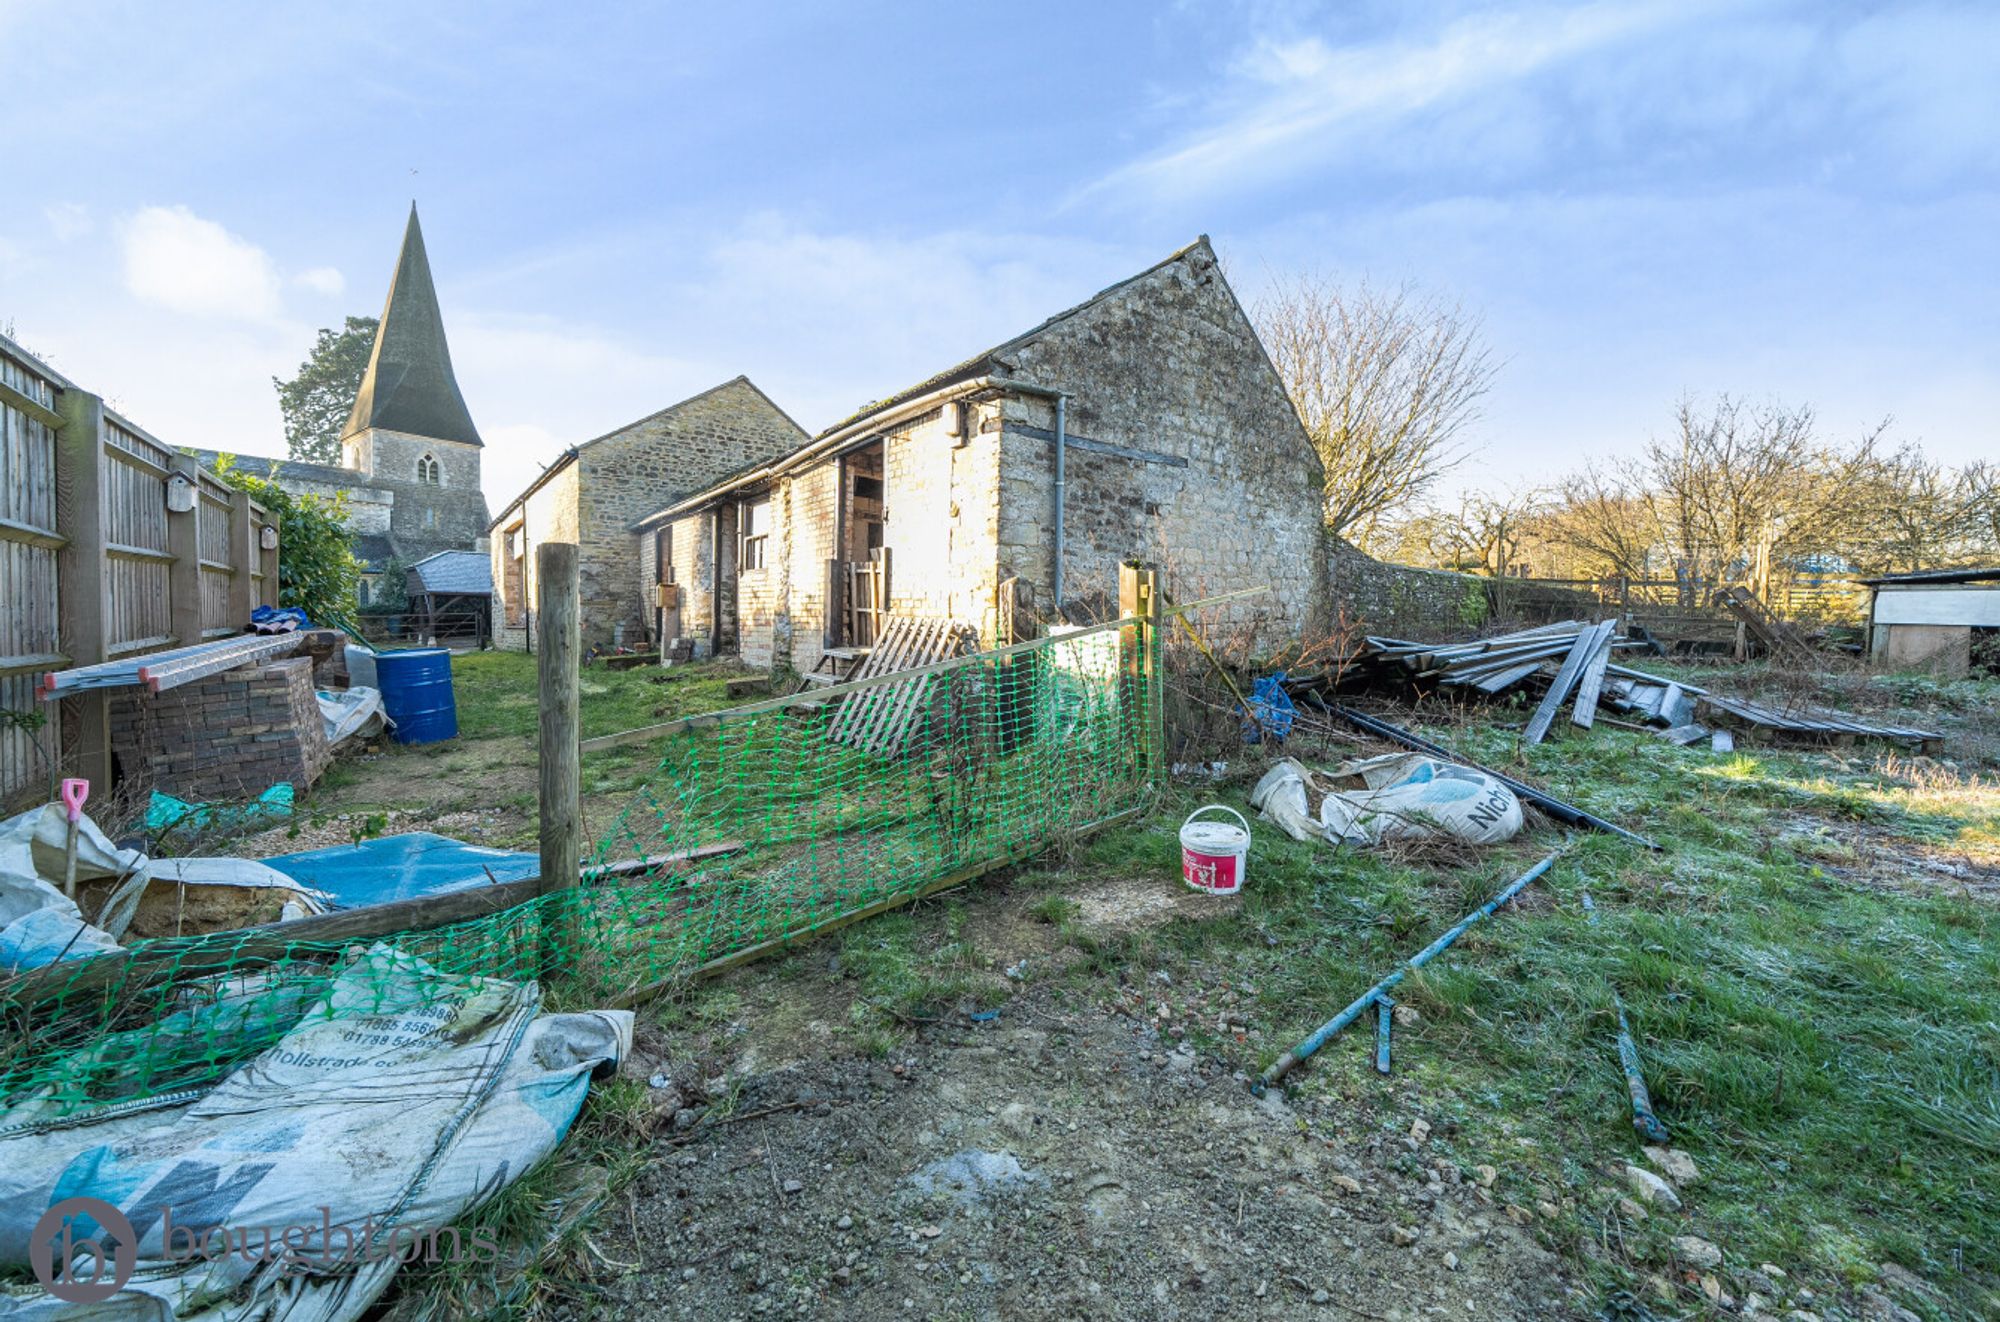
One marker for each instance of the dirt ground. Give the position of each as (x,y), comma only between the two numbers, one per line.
(1065,1158)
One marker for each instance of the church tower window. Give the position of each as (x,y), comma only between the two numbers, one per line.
(427,470)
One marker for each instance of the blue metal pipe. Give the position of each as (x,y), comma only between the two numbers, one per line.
(1643,1119)
(1385,1011)
(1324,1033)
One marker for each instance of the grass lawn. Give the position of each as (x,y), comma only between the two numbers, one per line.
(1811,966)
(1819,1014)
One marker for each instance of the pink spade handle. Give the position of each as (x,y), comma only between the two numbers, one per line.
(74,792)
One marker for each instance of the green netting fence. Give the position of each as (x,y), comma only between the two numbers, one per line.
(781,821)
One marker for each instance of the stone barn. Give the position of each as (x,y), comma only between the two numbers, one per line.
(1146,423)
(592,494)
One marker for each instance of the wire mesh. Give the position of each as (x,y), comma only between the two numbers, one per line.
(988,761)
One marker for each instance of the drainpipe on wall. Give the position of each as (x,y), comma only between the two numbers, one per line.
(1062,448)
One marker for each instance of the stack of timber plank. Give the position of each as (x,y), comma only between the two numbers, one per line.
(1571,664)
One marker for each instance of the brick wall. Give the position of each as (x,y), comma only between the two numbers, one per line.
(691,549)
(228,736)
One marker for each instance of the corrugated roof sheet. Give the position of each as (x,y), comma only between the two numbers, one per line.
(1989,573)
(455,571)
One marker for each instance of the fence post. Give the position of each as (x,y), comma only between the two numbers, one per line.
(243,553)
(1139,595)
(80,569)
(557,648)
(184,544)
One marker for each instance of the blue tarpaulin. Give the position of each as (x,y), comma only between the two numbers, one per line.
(401,867)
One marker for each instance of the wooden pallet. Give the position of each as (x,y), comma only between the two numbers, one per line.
(1779,639)
(880,719)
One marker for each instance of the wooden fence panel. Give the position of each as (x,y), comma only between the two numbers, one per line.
(30,631)
(88,556)
(212,536)
(138,613)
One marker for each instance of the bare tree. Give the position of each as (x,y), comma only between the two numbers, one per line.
(1604,522)
(1384,383)
(1738,488)
(1924,515)
(1483,534)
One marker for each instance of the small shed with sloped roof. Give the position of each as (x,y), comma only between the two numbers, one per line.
(1945,619)
(451,598)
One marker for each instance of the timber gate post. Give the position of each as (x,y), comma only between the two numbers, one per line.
(560,754)
(83,586)
(1139,595)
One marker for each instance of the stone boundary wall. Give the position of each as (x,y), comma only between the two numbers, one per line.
(1404,600)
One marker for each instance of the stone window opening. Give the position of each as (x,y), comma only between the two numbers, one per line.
(755,521)
(427,471)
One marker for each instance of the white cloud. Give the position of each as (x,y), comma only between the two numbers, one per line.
(179,261)
(1292,102)
(322,280)
(504,365)
(69,220)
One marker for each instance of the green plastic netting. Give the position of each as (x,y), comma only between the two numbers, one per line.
(787,818)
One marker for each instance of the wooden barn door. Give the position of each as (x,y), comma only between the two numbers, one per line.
(668,593)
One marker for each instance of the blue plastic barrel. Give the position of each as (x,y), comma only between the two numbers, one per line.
(416,692)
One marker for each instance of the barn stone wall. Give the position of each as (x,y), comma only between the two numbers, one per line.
(549,514)
(1220,486)
(616,480)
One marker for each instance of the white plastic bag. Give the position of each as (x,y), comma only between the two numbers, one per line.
(1408,795)
(1403,796)
(38,923)
(402,1099)
(1281,796)
(349,712)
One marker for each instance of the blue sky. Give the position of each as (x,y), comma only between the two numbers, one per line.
(627,205)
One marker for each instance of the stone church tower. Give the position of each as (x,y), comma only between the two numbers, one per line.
(410,432)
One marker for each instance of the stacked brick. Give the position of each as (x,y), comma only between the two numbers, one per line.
(228,736)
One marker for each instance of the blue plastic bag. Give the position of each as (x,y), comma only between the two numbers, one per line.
(1271,711)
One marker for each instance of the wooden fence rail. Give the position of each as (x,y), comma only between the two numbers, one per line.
(112,544)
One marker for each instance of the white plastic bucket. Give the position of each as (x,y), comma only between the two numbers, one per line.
(1214,854)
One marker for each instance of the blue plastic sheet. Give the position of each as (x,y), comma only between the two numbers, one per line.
(165,813)
(402,867)
(1271,710)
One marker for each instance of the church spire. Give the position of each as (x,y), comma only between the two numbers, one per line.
(409,386)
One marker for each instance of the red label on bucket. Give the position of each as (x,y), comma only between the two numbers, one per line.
(1209,872)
